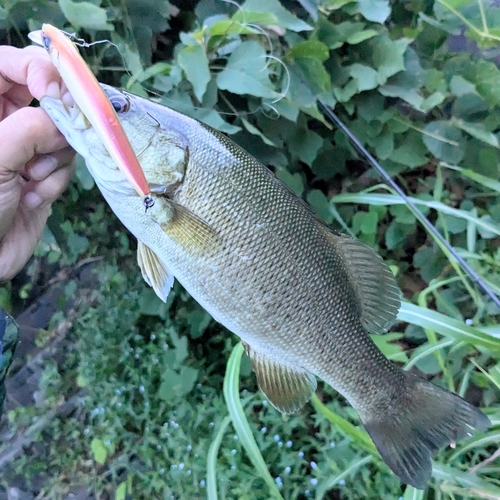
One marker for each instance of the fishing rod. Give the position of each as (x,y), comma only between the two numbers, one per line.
(334,119)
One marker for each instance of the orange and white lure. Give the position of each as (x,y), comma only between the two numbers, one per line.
(94,104)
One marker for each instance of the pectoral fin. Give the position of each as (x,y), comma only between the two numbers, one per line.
(154,272)
(287,387)
(189,230)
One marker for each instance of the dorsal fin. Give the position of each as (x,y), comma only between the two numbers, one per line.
(288,388)
(374,284)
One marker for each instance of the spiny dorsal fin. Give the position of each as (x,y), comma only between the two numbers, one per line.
(373,282)
(189,230)
(153,271)
(288,388)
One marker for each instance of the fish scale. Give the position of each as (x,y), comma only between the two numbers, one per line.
(300,296)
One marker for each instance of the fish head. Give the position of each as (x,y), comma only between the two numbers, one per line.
(161,151)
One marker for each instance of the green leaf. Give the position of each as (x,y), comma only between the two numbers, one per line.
(247,72)
(359,436)
(121,491)
(294,181)
(85,15)
(396,234)
(432,101)
(411,96)
(176,385)
(212,460)
(245,17)
(231,26)
(311,6)
(388,55)
(83,175)
(390,199)
(361,36)
(320,204)
(194,62)
(444,141)
(305,144)
(391,349)
(487,78)
(374,10)
(98,450)
(240,422)
(459,86)
(411,153)
(330,482)
(412,493)
(446,326)
(366,77)
(285,18)
(255,131)
(478,131)
(310,48)
(365,222)
(309,57)
(485,181)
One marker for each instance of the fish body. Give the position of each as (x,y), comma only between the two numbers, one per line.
(93,103)
(301,296)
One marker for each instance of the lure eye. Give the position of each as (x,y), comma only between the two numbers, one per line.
(46,41)
(120,103)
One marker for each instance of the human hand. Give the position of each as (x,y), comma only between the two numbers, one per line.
(35,159)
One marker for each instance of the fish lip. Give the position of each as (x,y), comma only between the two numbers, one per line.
(59,111)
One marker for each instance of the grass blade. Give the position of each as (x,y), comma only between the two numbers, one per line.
(330,482)
(212,460)
(425,350)
(412,493)
(358,435)
(381,199)
(240,422)
(487,182)
(446,326)
(476,486)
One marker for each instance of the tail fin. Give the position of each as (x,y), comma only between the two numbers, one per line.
(426,418)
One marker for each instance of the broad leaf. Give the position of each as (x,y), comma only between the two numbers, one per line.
(247,72)
(444,141)
(194,62)
(286,18)
(85,15)
(374,10)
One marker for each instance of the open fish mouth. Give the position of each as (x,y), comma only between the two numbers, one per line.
(64,112)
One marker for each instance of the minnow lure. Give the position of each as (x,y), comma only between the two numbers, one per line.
(94,104)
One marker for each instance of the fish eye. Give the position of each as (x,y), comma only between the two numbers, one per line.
(46,41)
(120,103)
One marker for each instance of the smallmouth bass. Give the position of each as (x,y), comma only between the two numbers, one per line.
(301,296)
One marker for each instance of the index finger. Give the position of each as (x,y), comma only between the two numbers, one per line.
(30,67)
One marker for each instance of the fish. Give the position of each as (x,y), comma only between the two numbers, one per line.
(95,106)
(301,296)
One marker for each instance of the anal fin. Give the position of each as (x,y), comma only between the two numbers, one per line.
(287,387)
(153,271)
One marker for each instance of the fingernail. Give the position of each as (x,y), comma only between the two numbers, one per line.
(32,200)
(43,167)
(53,90)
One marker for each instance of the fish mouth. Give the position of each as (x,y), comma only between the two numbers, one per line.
(65,113)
